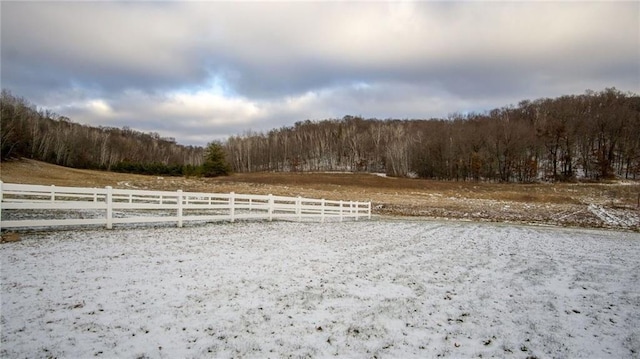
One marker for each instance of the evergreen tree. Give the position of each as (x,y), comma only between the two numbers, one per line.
(215,161)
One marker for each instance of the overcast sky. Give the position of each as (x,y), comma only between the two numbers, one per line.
(200,71)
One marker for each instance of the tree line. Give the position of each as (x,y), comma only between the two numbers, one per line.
(44,135)
(595,135)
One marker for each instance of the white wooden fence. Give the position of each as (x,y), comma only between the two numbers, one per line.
(38,206)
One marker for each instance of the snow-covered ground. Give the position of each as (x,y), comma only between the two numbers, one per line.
(354,289)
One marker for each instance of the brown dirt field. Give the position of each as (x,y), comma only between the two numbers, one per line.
(565,204)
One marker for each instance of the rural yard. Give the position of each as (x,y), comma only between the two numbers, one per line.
(349,179)
(353,289)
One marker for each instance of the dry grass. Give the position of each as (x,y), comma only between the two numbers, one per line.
(559,204)
(35,172)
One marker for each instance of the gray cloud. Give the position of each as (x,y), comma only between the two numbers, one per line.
(203,70)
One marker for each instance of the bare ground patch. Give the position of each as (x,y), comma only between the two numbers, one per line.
(607,205)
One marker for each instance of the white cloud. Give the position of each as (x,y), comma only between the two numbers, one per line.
(211,107)
(100,107)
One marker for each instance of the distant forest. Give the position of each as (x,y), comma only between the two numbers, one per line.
(592,136)
(47,136)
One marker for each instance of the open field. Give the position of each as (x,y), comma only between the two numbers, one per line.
(610,205)
(397,289)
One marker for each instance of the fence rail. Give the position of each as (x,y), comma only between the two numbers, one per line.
(34,206)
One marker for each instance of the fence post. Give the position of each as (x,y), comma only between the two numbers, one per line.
(340,211)
(109,202)
(53,193)
(270,207)
(357,210)
(299,208)
(1,205)
(322,203)
(232,206)
(369,210)
(179,200)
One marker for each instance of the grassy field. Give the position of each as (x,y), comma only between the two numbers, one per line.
(612,204)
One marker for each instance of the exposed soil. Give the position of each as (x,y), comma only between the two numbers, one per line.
(611,204)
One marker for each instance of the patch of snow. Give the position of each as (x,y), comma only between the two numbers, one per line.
(127,184)
(354,289)
(612,217)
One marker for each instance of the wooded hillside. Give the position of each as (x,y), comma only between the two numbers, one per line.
(594,136)
(46,136)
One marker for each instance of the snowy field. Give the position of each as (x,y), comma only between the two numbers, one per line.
(355,289)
